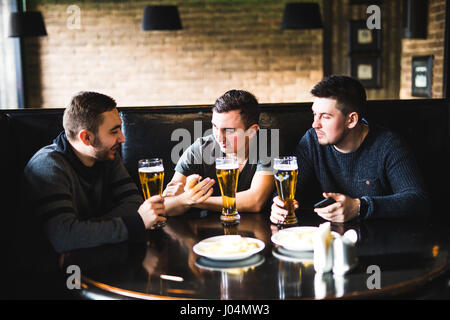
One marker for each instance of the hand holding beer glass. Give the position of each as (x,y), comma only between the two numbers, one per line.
(285,174)
(227,171)
(151,176)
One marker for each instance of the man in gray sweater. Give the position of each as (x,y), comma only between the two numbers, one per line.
(78,186)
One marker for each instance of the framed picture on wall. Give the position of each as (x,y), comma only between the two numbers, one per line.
(366,69)
(422,76)
(362,39)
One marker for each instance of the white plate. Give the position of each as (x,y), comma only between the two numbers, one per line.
(287,240)
(290,242)
(227,242)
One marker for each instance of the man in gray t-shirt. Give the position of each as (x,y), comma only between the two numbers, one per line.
(235,131)
(195,161)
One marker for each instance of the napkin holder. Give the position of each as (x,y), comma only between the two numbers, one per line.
(337,254)
(323,249)
(344,253)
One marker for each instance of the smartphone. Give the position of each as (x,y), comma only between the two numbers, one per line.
(324,203)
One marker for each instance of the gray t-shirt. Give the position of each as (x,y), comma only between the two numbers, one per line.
(200,157)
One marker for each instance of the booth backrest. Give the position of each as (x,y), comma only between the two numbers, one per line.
(163,131)
(5,156)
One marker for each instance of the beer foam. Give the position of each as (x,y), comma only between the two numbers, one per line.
(227,166)
(151,169)
(285,166)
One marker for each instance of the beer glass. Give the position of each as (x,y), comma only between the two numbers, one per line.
(227,171)
(151,176)
(285,174)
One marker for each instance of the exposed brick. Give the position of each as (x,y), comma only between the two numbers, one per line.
(224,45)
(433,45)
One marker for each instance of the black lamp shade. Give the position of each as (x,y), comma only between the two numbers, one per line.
(161,18)
(26,24)
(301,16)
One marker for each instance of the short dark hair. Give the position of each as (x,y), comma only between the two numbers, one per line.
(348,92)
(239,100)
(85,112)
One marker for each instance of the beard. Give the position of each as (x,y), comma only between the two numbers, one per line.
(337,140)
(103,153)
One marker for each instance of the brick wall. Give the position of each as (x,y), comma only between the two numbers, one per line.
(224,45)
(432,45)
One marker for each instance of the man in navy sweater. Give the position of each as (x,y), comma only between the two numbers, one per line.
(366,169)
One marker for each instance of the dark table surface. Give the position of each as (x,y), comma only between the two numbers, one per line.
(409,254)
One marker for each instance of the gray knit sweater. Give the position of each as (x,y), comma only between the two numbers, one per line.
(382,171)
(82,206)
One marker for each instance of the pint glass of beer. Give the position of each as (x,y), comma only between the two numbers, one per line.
(227,171)
(151,176)
(285,174)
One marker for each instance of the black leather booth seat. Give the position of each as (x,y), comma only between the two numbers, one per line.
(157,131)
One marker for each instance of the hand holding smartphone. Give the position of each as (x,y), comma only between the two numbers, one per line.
(324,203)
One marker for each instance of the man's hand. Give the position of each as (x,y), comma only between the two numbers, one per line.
(278,211)
(173,188)
(152,211)
(344,209)
(197,192)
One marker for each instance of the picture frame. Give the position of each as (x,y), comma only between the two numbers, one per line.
(362,39)
(367,69)
(422,76)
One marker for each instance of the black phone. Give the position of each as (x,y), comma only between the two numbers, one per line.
(324,203)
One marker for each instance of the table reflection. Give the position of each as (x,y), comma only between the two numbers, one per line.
(289,278)
(407,253)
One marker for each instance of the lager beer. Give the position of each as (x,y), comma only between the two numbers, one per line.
(285,174)
(151,176)
(152,180)
(227,171)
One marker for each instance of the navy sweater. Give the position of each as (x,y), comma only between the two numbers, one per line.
(382,171)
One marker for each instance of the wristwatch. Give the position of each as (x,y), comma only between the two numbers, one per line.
(362,208)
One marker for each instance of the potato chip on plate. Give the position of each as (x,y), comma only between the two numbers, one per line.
(229,247)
